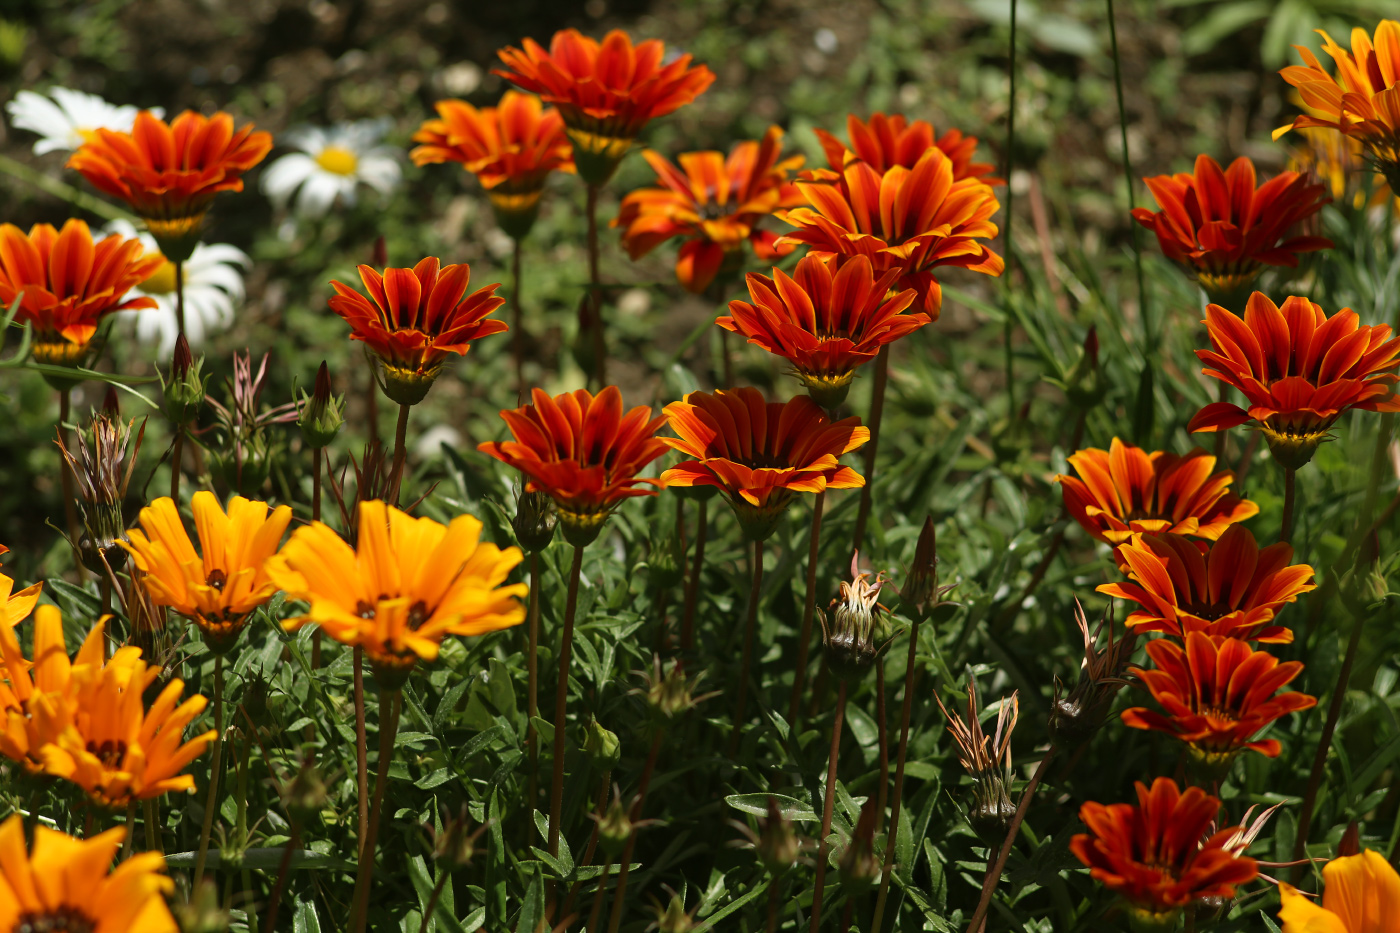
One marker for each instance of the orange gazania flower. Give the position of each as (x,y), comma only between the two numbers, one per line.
(27,728)
(606,92)
(68,885)
(169,173)
(69,283)
(510,148)
(1362,895)
(1229,588)
(1363,100)
(714,203)
(1125,489)
(758,453)
(910,219)
(885,141)
(832,316)
(414,319)
(583,452)
(1218,693)
(408,583)
(216,590)
(1299,369)
(1222,230)
(1157,855)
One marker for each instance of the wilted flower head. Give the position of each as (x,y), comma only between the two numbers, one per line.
(322,412)
(988,760)
(1076,716)
(852,632)
(105,460)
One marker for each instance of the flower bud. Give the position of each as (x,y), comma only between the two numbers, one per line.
(379,258)
(1076,716)
(202,913)
(184,387)
(673,918)
(850,636)
(858,866)
(307,795)
(670,695)
(454,846)
(534,521)
(322,413)
(602,748)
(1364,585)
(255,697)
(667,561)
(614,829)
(778,845)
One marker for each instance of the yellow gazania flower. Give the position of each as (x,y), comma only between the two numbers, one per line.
(69,884)
(27,727)
(14,607)
(411,582)
(219,589)
(1362,896)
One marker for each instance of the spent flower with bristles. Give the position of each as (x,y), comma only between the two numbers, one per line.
(987,760)
(671,694)
(243,458)
(307,794)
(1077,715)
(672,918)
(106,457)
(615,827)
(454,845)
(322,412)
(851,633)
(204,911)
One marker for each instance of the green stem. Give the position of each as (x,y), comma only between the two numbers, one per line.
(532,739)
(517,343)
(808,611)
(400,453)
(70,494)
(1289,501)
(692,583)
(561,701)
(361,752)
(180,295)
(1149,342)
(620,897)
(177,455)
(595,292)
(58,189)
(877,412)
(897,798)
(388,727)
(211,800)
(152,810)
(827,806)
(746,656)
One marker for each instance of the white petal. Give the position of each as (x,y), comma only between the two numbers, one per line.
(308,139)
(284,176)
(319,193)
(380,172)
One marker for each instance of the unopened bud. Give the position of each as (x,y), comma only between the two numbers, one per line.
(602,747)
(672,694)
(1364,585)
(110,407)
(184,387)
(666,561)
(306,796)
(859,867)
(534,521)
(379,258)
(455,845)
(674,919)
(614,829)
(202,913)
(1351,841)
(778,845)
(322,412)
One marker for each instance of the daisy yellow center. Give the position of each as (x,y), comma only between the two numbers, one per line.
(338,160)
(162,281)
(87,134)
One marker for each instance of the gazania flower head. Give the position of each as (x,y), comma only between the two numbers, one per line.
(1299,369)
(67,284)
(1223,230)
(606,92)
(510,148)
(758,453)
(1218,693)
(913,220)
(1339,162)
(66,884)
(407,584)
(1157,855)
(828,319)
(27,728)
(331,164)
(884,141)
(414,319)
(714,203)
(64,119)
(16,607)
(583,452)
(987,760)
(1362,895)
(169,173)
(1125,489)
(1363,100)
(1231,588)
(219,585)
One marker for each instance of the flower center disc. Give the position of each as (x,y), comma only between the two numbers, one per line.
(338,160)
(162,281)
(63,920)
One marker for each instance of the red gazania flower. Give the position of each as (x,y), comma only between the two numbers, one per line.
(1299,369)
(1363,100)
(712,202)
(69,283)
(606,92)
(760,453)
(1125,489)
(415,318)
(1230,588)
(1223,230)
(170,172)
(891,140)
(913,220)
(583,452)
(827,320)
(1157,855)
(1218,693)
(510,148)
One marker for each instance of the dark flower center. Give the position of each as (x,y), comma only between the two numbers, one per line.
(1210,612)
(63,920)
(418,614)
(110,753)
(217,578)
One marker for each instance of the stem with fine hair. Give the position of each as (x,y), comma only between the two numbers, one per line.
(877,412)
(620,896)
(989,885)
(361,751)
(592,846)
(1289,501)
(897,797)
(70,495)
(561,700)
(772,925)
(316,488)
(883,741)
(596,913)
(400,453)
(1008,324)
(532,739)
(746,655)
(595,293)
(692,583)
(809,607)
(1149,344)
(212,799)
(517,343)
(180,295)
(177,456)
(827,805)
(389,701)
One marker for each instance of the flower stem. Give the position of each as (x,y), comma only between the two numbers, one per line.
(595,915)
(746,657)
(595,293)
(989,885)
(274,904)
(599,809)
(827,805)
(130,829)
(561,700)
(400,453)
(1007,246)
(316,488)
(896,800)
(388,727)
(1149,341)
(212,799)
(180,295)
(152,821)
(177,456)
(692,584)
(884,742)
(361,751)
(70,495)
(1289,501)
(532,739)
(877,411)
(517,343)
(772,925)
(809,606)
(620,897)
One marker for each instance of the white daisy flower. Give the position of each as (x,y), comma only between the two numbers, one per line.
(213,287)
(331,164)
(65,118)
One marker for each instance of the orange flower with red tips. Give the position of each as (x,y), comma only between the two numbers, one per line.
(606,92)
(583,452)
(69,283)
(913,220)
(832,316)
(414,319)
(1125,489)
(1157,855)
(1218,693)
(510,148)
(1231,588)
(714,203)
(169,173)
(1223,230)
(1299,369)
(758,453)
(891,140)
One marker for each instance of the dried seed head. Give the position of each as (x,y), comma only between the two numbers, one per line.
(859,867)
(534,521)
(106,456)
(851,635)
(988,760)
(1075,717)
(602,748)
(245,448)
(322,413)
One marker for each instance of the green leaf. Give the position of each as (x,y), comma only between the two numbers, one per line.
(262,859)
(732,906)
(532,911)
(304,918)
(80,602)
(757,804)
(1223,20)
